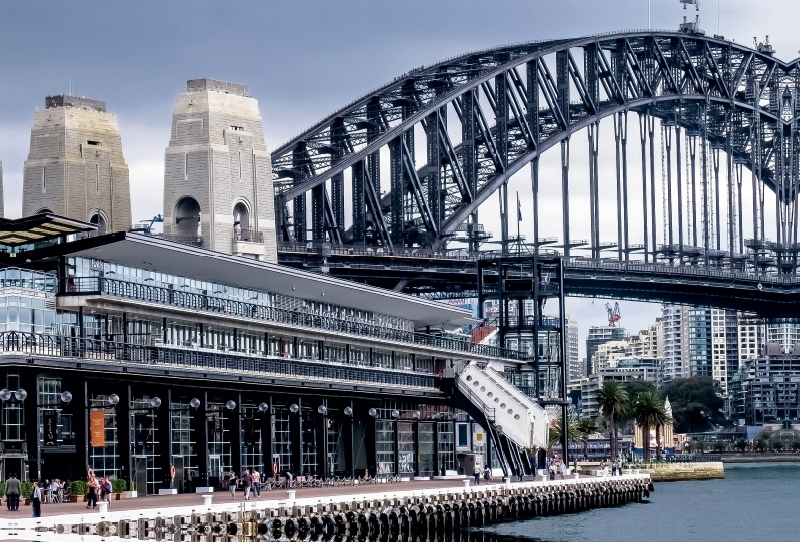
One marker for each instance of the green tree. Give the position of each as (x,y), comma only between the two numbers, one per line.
(777,446)
(648,412)
(695,404)
(585,428)
(557,431)
(741,443)
(613,401)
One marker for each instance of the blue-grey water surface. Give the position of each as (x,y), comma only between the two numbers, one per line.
(753,502)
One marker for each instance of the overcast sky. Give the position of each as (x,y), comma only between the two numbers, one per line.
(301,59)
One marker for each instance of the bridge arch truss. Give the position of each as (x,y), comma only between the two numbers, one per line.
(481,117)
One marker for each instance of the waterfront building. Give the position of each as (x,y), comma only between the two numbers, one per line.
(767,388)
(217,173)
(599,335)
(133,355)
(75,166)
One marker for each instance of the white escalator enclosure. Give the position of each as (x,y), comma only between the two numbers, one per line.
(515,414)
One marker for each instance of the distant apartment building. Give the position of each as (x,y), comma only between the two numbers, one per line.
(784,334)
(750,341)
(599,335)
(766,389)
(648,343)
(576,368)
(700,341)
(608,355)
(625,369)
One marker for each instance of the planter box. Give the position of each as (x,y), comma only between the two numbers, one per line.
(119,496)
(131,494)
(77,498)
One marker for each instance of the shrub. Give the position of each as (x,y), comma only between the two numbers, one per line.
(79,487)
(2,488)
(118,485)
(26,488)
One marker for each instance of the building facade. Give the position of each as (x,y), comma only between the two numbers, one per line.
(134,355)
(767,388)
(576,368)
(598,335)
(218,176)
(75,166)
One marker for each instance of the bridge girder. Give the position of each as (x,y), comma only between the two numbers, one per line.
(738,99)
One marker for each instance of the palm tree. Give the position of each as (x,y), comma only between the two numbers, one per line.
(557,431)
(613,402)
(585,427)
(648,411)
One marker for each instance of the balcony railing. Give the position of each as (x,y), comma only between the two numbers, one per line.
(111,351)
(192,240)
(207,303)
(249,235)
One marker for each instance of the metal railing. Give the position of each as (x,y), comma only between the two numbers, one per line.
(35,344)
(207,303)
(192,240)
(249,235)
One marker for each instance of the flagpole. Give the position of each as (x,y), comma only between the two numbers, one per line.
(519,239)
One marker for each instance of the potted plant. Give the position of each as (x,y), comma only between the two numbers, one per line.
(78,491)
(119,487)
(26,488)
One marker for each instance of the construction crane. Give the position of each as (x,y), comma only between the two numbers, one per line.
(613,314)
(146,227)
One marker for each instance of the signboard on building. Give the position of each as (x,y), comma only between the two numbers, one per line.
(97,428)
(50,427)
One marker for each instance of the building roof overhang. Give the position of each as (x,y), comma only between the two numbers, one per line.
(159,255)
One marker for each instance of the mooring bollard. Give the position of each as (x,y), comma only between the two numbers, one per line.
(466,482)
(102,507)
(291,493)
(207,500)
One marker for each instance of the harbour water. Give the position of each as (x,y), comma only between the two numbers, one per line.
(753,502)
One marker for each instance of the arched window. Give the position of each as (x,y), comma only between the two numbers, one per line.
(241,222)
(187,217)
(98,219)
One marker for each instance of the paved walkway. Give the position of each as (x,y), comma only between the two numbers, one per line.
(223,497)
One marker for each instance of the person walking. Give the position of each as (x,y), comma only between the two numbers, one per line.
(12,493)
(36,501)
(487,474)
(247,482)
(477,474)
(256,483)
(232,484)
(92,486)
(552,469)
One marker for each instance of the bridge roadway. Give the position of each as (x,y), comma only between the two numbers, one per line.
(441,276)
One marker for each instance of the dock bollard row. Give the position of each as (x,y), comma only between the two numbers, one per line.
(378,518)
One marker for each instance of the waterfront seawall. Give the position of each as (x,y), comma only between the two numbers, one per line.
(760,458)
(677,472)
(376,515)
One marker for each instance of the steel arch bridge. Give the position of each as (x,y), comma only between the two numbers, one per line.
(723,108)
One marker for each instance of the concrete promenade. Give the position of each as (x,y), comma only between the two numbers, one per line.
(352,510)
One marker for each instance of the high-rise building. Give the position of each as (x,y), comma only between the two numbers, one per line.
(599,335)
(785,334)
(608,354)
(673,321)
(576,369)
(700,341)
(648,343)
(75,166)
(218,174)
(750,341)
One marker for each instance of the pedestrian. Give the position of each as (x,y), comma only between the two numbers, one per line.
(487,474)
(232,484)
(477,474)
(256,483)
(107,491)
(36,501)
(552,469)
(247,481)
(92,487)
(12,493)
